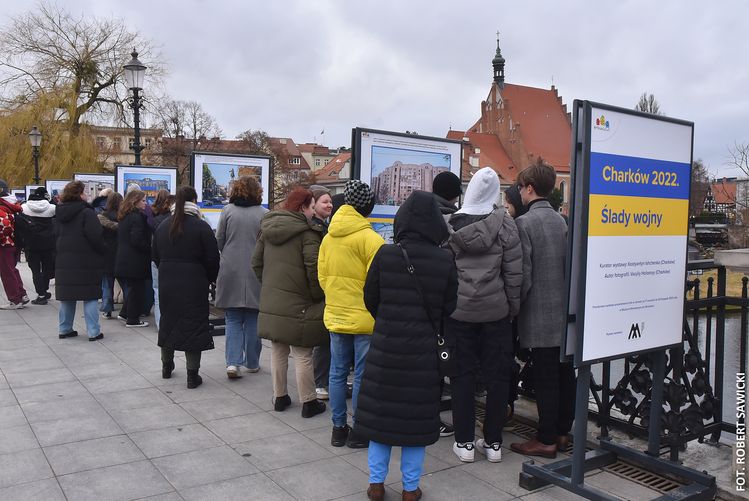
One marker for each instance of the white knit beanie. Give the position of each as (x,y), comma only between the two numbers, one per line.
(482,193)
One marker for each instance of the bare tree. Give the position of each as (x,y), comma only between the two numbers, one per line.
(47,49)
(700,185)
(738,157)
(648,104)
(186,119)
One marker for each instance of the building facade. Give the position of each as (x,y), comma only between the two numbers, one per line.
(114,145)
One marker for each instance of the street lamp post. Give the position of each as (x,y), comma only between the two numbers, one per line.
(134,73)
(36,141)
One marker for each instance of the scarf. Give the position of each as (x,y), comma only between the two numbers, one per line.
(191,209)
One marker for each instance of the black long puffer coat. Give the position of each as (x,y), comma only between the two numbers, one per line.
(399,398)
(133,247)
(187,267)
(79,261)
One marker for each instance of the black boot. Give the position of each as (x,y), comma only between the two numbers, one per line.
(281,403)
(193,379)
(166,369)
(312,408)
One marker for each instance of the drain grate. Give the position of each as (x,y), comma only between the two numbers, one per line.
(642,477)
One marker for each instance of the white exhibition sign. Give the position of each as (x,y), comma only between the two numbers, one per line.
(638,202)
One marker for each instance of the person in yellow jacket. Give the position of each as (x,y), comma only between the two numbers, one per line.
(345,255)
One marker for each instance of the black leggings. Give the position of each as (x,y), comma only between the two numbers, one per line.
(193,358)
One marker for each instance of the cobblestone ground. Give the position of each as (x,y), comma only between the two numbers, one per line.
(95,421)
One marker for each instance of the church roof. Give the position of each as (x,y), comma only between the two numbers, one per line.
(491,154)
(544,125)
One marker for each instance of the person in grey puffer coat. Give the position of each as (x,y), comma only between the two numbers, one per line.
(489,258)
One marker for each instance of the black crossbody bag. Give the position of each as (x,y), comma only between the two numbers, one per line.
(444,353)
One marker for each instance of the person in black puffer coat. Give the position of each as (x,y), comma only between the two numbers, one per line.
(399,399)
(186,254)
(79,263)
(133,264)
(36,228)
(108,220)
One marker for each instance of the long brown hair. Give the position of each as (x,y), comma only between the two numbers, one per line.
(163,202)
(132,199)
(114,200)
(184,194)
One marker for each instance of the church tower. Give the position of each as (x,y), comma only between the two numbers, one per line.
(499,66)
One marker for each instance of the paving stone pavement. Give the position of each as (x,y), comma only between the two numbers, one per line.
(95,421)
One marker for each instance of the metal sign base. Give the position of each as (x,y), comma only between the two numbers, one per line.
(569,474)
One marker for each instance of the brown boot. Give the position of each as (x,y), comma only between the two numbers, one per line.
(535,448)
(563,441)
(376,492)
(411,495)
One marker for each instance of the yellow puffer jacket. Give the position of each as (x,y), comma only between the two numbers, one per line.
(345,255)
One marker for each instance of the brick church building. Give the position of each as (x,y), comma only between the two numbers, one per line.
(517,125)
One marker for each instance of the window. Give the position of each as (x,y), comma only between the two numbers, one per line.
(474,161)
(101,142)
(116,143)
(317,162)
(295,160)
(148,142)
(477,150)
(130,142)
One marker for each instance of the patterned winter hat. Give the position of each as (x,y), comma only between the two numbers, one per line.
(360,196)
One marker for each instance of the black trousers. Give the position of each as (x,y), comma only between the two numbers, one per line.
(555,394)
(132,305)
(486,347)
(42,265)
(321,364)
(192,358)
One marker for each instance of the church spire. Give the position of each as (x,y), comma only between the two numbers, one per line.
(499,66)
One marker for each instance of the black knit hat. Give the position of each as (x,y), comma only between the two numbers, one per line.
(360,196)
(447,185)
(39,193)
(512,195)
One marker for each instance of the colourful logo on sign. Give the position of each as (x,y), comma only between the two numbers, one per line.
(602,123)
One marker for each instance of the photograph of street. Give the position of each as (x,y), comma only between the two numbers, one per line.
(218,179)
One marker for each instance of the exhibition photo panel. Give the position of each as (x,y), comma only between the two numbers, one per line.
(395,165)
(213,175)
(94,183)
(149,179)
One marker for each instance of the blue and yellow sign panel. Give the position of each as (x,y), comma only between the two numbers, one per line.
(637,199)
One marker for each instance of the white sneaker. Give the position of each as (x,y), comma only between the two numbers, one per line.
(464,451)
(11,306)
(492,452)
(232,372)
(141,323)
(322,394)
(253,370)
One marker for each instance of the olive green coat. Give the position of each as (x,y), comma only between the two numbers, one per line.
(285,262)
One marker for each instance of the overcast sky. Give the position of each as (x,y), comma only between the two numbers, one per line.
(295,68)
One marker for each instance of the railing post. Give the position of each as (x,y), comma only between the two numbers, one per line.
(743,331)
(720,345)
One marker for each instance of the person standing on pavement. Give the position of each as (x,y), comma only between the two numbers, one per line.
(291,300)
(186,254)
(237,287)
(345,256)
(321,354)
(161,210)
(399,400)
(133,262)
(543,313)
(79,261)
(108,221)
(488,255)
(9,252)
(36,227)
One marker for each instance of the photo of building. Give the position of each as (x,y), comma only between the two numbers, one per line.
(398,172)
(151,184)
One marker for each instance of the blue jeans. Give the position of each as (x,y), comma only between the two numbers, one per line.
(107,294)
(412,461)
(242,344)
(90,311)
(345,350)
(155,280)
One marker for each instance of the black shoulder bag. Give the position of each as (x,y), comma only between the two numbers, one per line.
(444,353)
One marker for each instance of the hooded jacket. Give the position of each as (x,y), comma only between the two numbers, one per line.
(489,258)
(133,258)
(399,400)
(35,226)
(345,256)
(79,261)
(285,262)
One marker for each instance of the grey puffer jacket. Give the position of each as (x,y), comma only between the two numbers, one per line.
(489,259)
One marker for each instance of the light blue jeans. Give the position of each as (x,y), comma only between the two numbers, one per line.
(107,294)
(242,344)
(90,311)
(345,350)
(412,461)
(155,281)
